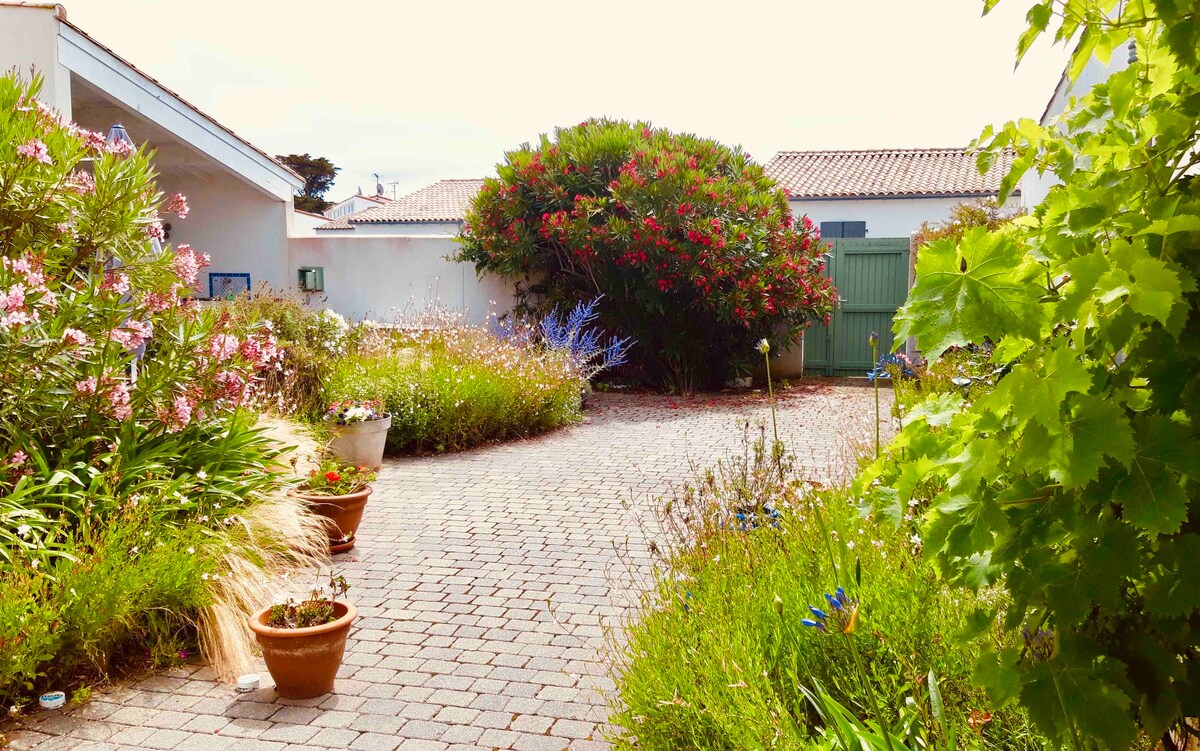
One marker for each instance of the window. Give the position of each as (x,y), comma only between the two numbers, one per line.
(835,230)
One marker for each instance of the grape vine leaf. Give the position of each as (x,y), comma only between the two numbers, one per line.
(1151,494)
(971,292)
(1172,592)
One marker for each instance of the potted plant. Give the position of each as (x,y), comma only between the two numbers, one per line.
(339,493)
(360,432)
(303,642)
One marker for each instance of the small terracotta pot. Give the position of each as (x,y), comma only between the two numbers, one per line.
(343,514)
(304,661)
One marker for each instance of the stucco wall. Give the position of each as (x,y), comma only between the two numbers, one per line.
(243,229)
(405,229)
(885,217)
(375,277)
(1035,186)
(29,37)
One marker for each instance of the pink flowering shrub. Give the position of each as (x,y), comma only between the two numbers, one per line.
(694,250)
(122,397)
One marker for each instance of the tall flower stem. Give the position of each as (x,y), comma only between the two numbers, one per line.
(862,675)
(874,339)
(771,396)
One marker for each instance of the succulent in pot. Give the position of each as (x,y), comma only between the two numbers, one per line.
(338,492)
(359,431)
(303,642)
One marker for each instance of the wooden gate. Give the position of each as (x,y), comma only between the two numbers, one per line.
(871,277)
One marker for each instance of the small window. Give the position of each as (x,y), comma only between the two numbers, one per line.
(835,230)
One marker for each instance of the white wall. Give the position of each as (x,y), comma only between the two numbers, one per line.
(402,229)
(885,217)
(243,229)
(374,277)
(349,206)
(1035,186)
(29,37)
(305,224)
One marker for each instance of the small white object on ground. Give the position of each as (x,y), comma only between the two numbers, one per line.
(52,700)
(247,683)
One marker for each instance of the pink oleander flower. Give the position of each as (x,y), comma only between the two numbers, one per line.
(76,337)
(223,346)
(176,204)
(155,231)
(95,142)
(187,263)
(86,387)
(82,183)
(118,399)
(17,318)
(181,413)
(132,334)
(35,150)
(18,458)
(18,265)
(230,385)
(64,228)
(156,303)
(14,298)
(120,148)
(115,282)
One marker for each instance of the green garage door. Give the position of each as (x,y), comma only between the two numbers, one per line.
(871,277)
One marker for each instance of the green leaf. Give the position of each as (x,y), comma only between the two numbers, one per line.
(1172,225)
(1097,428)
(997,675)
(965,294)
(1056,691)
(937,410)
(1172,591)
(1151,494)
(1156,289)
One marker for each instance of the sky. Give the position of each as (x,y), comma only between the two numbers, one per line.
(421,91)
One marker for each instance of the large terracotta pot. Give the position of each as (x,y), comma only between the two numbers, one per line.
(361,443)
(343,514)
(304,661)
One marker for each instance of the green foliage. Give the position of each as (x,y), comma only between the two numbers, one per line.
(983,212)
(718,656)
(318,174)
(454,388)
(972,363)
(334,478)
(693,248)
(126,462)
(310,341)
(315,610)
(1073,484)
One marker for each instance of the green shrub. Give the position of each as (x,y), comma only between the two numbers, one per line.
(936,377)
(715,661)
(123,437)
(694,249)
(452,389)
(310,342)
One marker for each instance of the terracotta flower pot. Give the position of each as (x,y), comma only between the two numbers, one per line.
(343,514)
(362,443)
(304,661)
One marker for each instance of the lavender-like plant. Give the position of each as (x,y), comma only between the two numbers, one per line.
(590,352)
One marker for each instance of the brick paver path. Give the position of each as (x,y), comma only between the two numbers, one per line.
(485,582)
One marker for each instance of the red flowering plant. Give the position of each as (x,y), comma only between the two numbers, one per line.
(334,478)
(114,382)
(694,249)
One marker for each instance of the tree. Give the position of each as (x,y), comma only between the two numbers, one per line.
(692,246)
(1074,483)
(318,173)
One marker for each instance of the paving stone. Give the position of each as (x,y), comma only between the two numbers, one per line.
(456,646)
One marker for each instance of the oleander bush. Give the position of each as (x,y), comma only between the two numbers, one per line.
(721,651)
(693,248)
(451,386)
(140,503)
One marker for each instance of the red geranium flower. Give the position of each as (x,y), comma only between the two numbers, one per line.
(333,477)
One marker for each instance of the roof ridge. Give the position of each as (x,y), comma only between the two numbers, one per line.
(900,150)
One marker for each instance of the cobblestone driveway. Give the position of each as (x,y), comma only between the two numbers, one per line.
(484,582)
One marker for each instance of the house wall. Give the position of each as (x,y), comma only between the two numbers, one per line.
(885,217)
(29,37)
(376,277)
(243,229)
(1034,187)
(405,229)
(349,206)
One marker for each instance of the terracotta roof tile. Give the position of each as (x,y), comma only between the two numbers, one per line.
(885,173)
(444,201)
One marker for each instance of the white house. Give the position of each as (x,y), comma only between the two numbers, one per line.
(354,203)
(1096,71)
(240,197)
(437,209)
(884,192)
